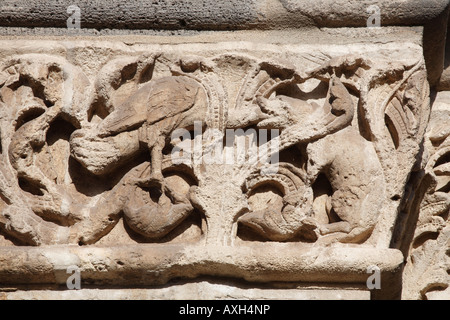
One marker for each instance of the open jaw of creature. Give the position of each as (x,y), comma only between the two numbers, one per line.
(80,153)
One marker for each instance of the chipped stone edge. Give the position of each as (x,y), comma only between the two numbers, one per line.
(154,264)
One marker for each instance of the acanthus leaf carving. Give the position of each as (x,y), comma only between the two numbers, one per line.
(428,257)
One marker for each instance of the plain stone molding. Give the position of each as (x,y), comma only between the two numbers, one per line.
(218,15)
(150,264)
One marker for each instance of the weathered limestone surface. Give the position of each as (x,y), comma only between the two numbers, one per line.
(199,290)
(152,148)
(218,15)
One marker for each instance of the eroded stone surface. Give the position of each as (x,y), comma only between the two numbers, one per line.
(428,265)
(145,162)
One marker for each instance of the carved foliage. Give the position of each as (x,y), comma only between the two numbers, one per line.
(428,265)
(80,154)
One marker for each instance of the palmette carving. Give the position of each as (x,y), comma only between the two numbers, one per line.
(349,133)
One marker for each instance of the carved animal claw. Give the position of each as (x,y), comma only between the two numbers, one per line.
(193,197)
(153,181)
(265,107)
(276,112)
(272,224)
(156,178)
(339,98)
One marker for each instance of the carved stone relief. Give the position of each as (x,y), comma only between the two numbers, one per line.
(87,151)
(428,265)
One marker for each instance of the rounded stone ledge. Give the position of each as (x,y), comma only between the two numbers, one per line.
(153,264)
(217,14)
(203,290)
